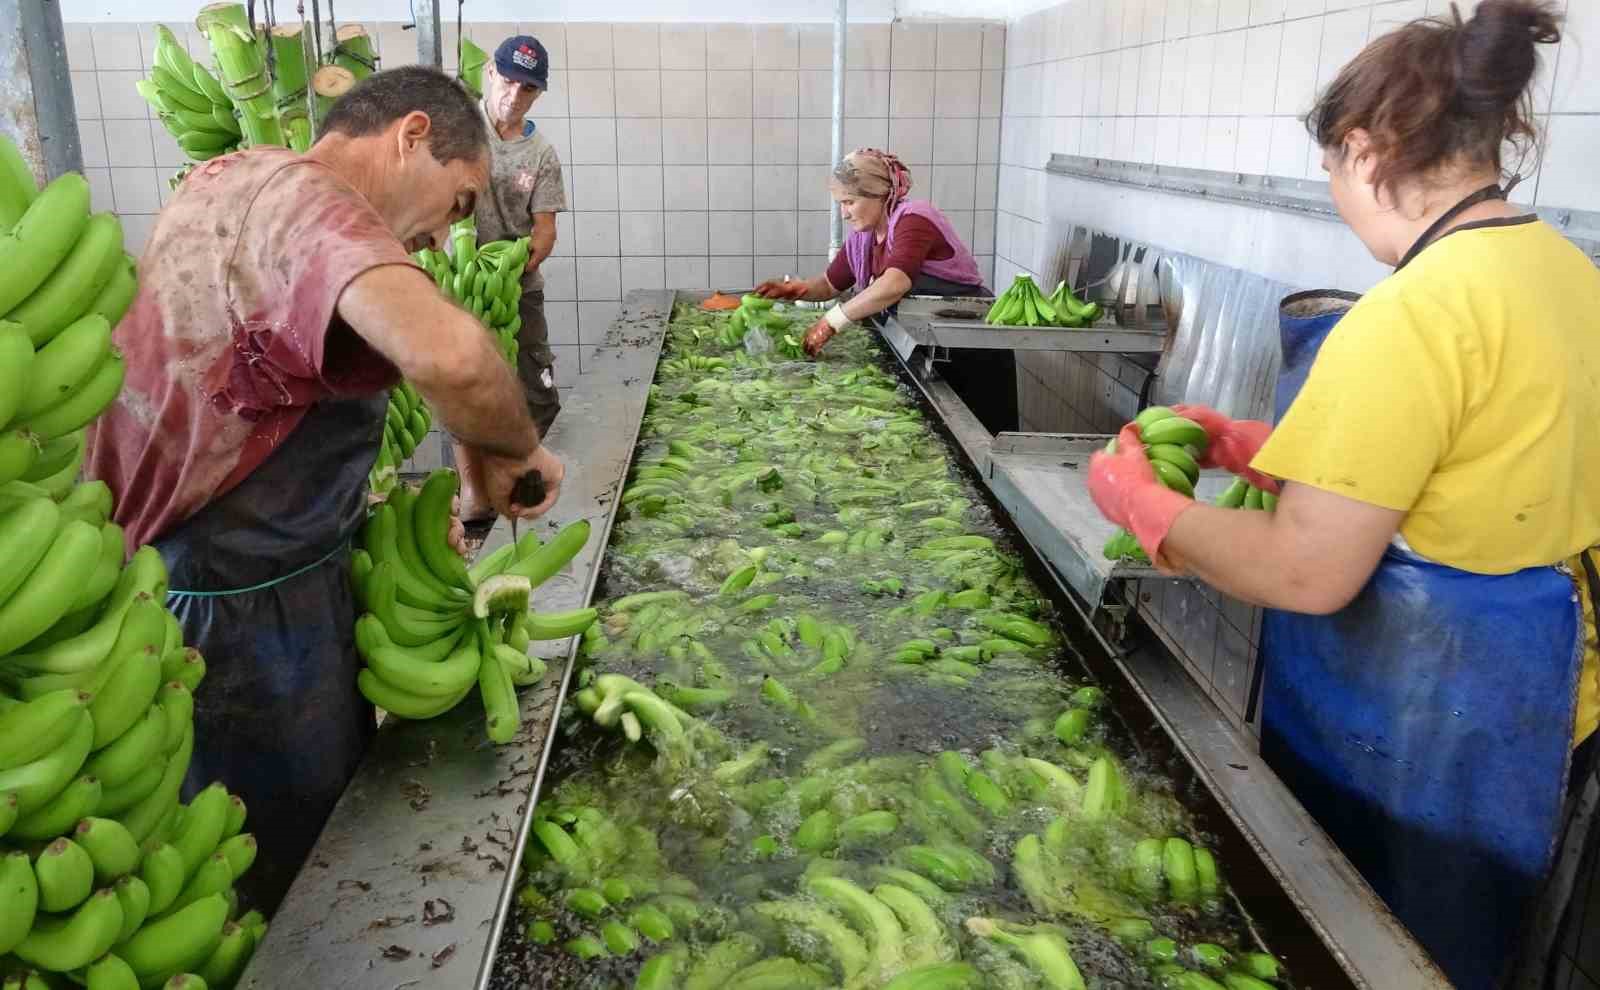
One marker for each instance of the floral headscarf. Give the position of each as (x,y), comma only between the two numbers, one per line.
(876,174)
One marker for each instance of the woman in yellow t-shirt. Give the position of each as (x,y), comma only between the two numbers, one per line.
(1428,648)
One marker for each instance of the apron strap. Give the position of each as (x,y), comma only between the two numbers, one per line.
(264,585)
(1440,225)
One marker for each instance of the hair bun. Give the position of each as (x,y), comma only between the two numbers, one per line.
(1496,53)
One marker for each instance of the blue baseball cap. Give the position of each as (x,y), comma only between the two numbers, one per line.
(522,59)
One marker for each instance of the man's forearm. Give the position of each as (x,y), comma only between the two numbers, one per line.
(487,411)
(541,239)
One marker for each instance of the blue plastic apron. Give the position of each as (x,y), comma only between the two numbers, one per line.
(1428,725)
(261,586)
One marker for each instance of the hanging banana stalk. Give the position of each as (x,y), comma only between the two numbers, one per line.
(289,83)
(242,67)
(353,51)
(471,63)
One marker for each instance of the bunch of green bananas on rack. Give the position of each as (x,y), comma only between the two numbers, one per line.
(1023,305)
(406,422)
(485,280)
(435,630)
(189,101)
(64,284)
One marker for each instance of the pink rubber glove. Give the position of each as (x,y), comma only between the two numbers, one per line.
(1125,489)
(1234,443)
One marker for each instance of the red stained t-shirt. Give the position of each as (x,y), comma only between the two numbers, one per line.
(916,241)
(233,335)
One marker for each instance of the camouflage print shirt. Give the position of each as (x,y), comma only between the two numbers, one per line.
(525,179)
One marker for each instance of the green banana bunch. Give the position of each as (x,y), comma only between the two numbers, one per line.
(486,280)
(1022,305)
(406,422)
(189,101)
(434,630)
(1072,311)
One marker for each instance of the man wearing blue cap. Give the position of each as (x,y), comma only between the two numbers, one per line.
(524,196)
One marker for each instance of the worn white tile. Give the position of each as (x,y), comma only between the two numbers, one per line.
(1128,81)
(638,92)
(1144,139)
(1174,69)
(1111,25)
(683,46)
(776,141)
(955,186)
(560,280)
(1255,145)
(1123,139)
(638,141)
(683,93)
(79,39)
(1169,142)
(1568,176)
(1262,12)
(563,248)
(812,183)
(955,142)
(1111,65)
(118,46)
(85,95)
(866,93)
(685,187)
(732,187)
(988,140)
(1290,147)
(1258,91)
(1068,140)
(816,46)
(136,230)
(683,142)
(732,234)
(1388,16)
(776,232)
(558,131)
(1204,14)
(1193,133)
(768,266)
(871,132)
(814,230)
(1222,143)
(594,141)
(686,234)
(816,93)
(867,46)
(101,197)
(553,102)
(566,361)
(118,99)
(595,234)
(728,93)
(591,93)
(589,46)
(594,187)
(92,142)
(562,316)
(732,274)
(135,189)
(983,227)
(598,279)
(1577,83)
(815,145)
(777,47)
(994,46)
(595,319)
(168,154)
(960,46)
(1197,76)
(485,34)
(956,94)
(777,93)
(688,273)
(1150,65)
(912,139)
(1344,34)
(990,97)
(636,46)
(1297,68)
(1133,20)
(730,46)
(914,45)
(732,140)
(1226,80)
(127,143)
(776,187)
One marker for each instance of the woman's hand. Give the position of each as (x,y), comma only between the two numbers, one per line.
(1126,491)
(1234,443)
(774,289)
(820,333)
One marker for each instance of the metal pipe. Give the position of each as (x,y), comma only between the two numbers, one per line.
(840,18)
(430,40)
(36,107)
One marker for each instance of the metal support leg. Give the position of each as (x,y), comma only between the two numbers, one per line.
(430,40)
(841,14)
(36,107)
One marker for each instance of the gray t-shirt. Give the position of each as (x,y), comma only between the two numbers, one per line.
(525,178)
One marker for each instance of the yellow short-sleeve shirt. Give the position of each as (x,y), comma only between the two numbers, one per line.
(1465,390)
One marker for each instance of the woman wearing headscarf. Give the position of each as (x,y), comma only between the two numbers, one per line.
(899,246)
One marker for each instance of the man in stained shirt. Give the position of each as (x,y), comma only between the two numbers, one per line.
(525,194)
